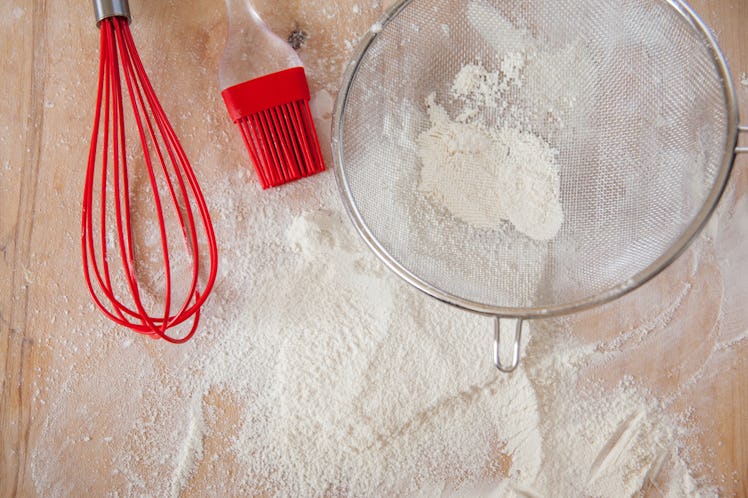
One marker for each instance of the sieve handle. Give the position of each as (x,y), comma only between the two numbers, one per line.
(741,150)
(506,368)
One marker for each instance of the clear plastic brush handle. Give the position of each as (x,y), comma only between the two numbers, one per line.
(252,49)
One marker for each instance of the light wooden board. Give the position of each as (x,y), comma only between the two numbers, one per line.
(48,65)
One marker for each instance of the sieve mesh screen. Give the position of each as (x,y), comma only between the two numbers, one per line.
(630,95)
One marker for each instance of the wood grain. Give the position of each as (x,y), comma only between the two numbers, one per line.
(22,118)
(48,69)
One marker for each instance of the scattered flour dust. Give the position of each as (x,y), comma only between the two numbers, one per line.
(363,387)
(485,174)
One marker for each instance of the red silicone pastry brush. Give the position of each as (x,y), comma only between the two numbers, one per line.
(265,89)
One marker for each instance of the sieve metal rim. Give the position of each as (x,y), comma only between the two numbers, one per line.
(635,281)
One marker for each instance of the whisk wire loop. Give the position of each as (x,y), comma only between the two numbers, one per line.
(173,172)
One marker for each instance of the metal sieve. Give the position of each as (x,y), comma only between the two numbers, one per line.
(634,96)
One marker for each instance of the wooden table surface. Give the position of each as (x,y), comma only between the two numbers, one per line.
(48,69)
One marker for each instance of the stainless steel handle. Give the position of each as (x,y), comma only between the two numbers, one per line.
(111,8)
(512,365)
(741,150)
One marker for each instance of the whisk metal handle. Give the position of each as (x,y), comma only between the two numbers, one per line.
(509,367)
(111,8)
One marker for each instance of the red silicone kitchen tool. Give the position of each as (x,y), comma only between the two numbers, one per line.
(265,89)
(136,280)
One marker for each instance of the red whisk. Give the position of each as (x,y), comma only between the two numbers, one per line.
(117,259)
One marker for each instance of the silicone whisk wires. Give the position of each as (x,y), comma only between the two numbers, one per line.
(148,287)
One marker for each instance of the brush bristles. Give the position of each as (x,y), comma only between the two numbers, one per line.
(282,143)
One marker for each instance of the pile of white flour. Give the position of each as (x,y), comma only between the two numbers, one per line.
(362,387)
(485,174)
(483,171)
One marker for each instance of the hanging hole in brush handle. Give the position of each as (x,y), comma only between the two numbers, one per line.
(514,361)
